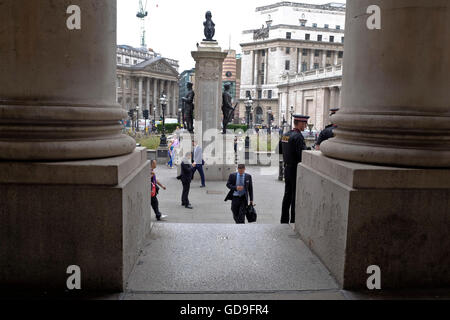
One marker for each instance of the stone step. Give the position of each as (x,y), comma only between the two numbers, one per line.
(213,258)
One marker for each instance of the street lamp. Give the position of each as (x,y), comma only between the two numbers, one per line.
(248,109)
(163,100)
(137,118)
(179,116)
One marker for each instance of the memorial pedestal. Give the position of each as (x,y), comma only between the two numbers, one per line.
(355,215)
(94,214)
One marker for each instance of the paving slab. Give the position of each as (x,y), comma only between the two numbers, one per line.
(223,258)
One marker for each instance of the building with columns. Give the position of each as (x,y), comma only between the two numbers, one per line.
(312,93)
(294,38)
(142,76)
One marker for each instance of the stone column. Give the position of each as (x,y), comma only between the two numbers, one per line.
(392,115)
(174,99)
(266,73)
(324,58)
(333,98)
(140,94)
(155,98)
(124,92)
(311,60)
(73,189)
(388,206)
(255,68)
(336,55)
(56,104)
(147,91)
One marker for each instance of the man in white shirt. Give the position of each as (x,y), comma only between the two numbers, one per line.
(198,162)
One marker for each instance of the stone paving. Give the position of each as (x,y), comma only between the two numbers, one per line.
(209,205)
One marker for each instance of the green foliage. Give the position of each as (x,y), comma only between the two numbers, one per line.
(150,142)
(170,127)
(235,127)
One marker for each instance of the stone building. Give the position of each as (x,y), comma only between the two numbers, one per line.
(312,93)
(294,38)
(142,76)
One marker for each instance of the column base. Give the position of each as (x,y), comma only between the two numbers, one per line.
(355,215)
(93,214)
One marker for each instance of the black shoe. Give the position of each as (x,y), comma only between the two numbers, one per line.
(202,186)
(189,206)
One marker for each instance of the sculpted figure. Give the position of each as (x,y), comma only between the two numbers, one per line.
(210,30)
(189,108)
(227,108)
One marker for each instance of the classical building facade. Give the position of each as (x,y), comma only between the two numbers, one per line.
(294,38)
(142,76)
(312,93)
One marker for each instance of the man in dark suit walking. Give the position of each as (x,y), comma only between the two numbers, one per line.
(241,188)
(186,179)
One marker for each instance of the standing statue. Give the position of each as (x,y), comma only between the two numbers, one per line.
(227,108)
(210,29)
(189,108)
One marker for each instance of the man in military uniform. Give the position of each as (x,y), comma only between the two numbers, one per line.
(327,133)
(189,108)
(293,144)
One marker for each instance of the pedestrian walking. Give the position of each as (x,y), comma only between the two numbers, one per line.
(186,179)
(154,192)
(198,163)
(293,144)
(241,189)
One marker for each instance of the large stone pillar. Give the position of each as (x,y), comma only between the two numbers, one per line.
(389,207)
(57,102)
(395,104)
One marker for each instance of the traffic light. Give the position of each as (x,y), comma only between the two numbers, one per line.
(146,114)
(130,113)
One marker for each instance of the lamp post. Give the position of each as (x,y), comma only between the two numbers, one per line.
(137,119)
(281,162)
(179,116)
(248,109)
(269,120)
(163,100)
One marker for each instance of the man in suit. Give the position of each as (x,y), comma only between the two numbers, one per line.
(241,188)
(186,178)
(198,162)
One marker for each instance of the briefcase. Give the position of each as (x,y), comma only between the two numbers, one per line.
(251,214)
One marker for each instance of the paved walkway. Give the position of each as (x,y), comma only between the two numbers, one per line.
(222,259)
(209,204)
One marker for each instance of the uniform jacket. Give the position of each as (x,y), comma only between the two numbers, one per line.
(231,184)
(293,145)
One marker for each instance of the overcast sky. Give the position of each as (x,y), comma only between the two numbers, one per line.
(175,26)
